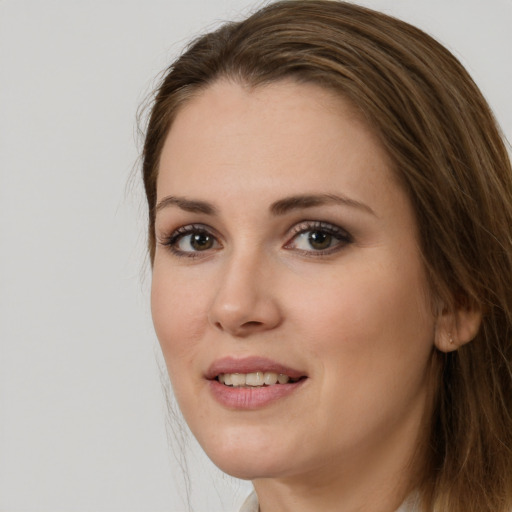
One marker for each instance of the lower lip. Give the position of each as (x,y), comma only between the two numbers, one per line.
(251,398)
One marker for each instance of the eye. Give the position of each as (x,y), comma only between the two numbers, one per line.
(318,238)
(195,242)
(191,240)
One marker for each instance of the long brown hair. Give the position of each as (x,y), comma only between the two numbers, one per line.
(449,155)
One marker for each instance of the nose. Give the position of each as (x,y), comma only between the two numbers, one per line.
(245,301)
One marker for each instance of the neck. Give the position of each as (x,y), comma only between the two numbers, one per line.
(376,477)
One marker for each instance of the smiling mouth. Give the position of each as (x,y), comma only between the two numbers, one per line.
(255,379)
(252,383)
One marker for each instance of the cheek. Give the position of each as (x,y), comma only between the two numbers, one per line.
(371,337)
(374,319)
(179,316)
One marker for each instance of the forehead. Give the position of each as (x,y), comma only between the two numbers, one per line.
(282,135)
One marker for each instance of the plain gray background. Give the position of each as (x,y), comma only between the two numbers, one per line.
(82,414)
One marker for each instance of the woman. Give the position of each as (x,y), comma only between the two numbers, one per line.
(330,212)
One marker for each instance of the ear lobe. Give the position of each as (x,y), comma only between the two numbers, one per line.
(454,329)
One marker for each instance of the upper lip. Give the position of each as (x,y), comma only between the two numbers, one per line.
(250,364)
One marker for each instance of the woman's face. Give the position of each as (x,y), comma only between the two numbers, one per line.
(287,251)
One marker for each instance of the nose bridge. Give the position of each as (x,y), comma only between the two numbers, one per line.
(244,301)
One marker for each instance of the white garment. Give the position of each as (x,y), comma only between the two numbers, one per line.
(251,504)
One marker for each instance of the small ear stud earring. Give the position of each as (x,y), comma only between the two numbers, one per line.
(450,338)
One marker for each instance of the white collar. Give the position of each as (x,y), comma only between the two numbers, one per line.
(251,504)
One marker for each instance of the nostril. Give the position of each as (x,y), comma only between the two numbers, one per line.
(246,325)
(252,324)
(243,329)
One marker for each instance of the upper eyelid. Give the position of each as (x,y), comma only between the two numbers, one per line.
(191,228)
(310,225)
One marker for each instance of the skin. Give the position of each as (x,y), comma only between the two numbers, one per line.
(356,319)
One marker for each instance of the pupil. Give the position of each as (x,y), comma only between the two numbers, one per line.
(320,239)
(201,241)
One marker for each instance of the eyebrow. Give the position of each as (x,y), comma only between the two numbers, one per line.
(280,207)
(300,202)
(187,204)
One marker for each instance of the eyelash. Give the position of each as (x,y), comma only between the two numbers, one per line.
(171,241)
(341,237)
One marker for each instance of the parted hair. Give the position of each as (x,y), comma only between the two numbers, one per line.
(451,158)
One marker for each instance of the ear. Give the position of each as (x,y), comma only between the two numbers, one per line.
(456,328)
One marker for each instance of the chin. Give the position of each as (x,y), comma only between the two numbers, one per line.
(240,467)
(247,460)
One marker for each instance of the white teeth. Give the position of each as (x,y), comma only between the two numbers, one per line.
(254,379)
(238,379)
(270,378)
(282,379)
